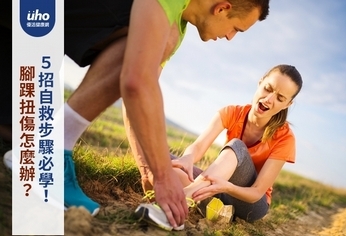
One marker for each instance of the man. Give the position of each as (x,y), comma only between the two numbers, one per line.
(126,44)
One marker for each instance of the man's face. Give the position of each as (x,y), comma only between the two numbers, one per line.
(219,26)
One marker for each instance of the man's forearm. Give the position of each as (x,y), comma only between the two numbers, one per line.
(145,112)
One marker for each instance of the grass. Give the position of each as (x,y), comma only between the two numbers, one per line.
(103,153)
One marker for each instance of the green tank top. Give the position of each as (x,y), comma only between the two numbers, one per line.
(174,10)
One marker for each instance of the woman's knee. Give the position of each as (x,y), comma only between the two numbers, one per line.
(240,150)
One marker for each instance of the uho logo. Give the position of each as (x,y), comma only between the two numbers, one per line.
(37,16)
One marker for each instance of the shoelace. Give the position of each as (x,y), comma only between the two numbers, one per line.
(150,194)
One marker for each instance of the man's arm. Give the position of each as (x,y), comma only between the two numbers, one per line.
(148,35)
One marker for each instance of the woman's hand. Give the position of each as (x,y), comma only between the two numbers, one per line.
(217,185)
(185,163)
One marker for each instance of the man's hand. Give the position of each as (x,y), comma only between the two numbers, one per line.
(171,198)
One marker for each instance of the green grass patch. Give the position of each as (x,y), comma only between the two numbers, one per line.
(103,154)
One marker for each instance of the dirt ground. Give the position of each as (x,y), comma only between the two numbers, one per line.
(115,202)
(78,222)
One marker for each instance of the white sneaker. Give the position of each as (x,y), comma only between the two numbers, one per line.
(8,159)
(153,214)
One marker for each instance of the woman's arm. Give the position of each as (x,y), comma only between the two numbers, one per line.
(199,147)
(264,181)
(220,184)
(194,152)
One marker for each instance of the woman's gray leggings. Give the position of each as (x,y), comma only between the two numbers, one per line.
(244,176)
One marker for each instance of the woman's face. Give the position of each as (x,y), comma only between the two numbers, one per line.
(273,94)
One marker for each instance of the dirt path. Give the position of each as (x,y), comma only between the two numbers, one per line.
(338,225)
(330,222)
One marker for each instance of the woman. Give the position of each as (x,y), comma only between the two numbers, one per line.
(259,143)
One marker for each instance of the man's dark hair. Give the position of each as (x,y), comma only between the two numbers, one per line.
(241,8)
